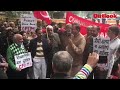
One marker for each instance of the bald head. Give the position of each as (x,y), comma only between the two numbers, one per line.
(62,61)
(18,38)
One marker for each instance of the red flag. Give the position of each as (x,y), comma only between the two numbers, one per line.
(43,15)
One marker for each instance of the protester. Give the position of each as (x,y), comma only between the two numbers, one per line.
(37,48)
(31,35)
(25,40)
(115,74)
(100,70)
(88,46)
(55,27)
(62,65)
(3,68)
(53,44)
(39,23)
(13,27)
(76,45)
(65,35)
(113,32)
(16,48)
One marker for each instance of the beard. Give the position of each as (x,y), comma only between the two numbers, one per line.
(19,44)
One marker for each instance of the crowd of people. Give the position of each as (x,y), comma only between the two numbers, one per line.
(57,52)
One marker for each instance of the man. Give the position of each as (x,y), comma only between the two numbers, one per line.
(62,65)
(16,48)
(76,45)
(37,48)
(113,32)
(99,72)
(53,44)
(53,39)
(88,48)
(115,73)
(65,35)
(13,27)
(3,68)
(55,27)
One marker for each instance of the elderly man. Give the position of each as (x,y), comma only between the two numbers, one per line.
(53,44)
(76,45)
(16,48)
(62,65)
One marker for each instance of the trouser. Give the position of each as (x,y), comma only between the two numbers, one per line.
(13,74)
(3,75)
(39,68)
(100,71)
(30,73)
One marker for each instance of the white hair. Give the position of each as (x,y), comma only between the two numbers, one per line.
(16,36)
(49,26)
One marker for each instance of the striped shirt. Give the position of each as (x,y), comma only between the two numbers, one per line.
(39,50)
(84,72)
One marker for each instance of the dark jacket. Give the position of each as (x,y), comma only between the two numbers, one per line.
(33,47)
(3,75)
(26,44)
(60,76)
(55,45)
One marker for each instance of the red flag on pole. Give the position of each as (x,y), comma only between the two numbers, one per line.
(43,15)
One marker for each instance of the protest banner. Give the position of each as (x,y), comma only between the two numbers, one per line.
(71,18)
(23,61)
(101,46)
(28,22)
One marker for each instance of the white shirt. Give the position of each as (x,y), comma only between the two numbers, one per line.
(114,44)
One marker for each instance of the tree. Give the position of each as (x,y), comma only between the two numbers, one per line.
(56,14)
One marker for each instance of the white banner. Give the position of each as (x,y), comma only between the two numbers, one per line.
(101,46)
(23,61)
(28,22)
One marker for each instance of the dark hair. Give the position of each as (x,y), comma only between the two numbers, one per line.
(22,32)
(77,26)
(53,23)
(115,67)
(37,30)
(115,29)
(60,25)
(62,61)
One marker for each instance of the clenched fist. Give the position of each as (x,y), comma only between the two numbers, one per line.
(93,59)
